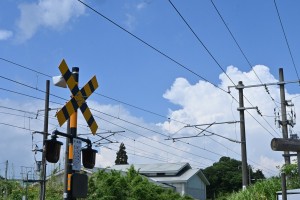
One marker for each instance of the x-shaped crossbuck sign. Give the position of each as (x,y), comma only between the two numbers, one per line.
(78,99)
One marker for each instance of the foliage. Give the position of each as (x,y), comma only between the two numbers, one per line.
(15,190)
(291,172)
(262,190)
(130,186)
(225,176)
(121,155)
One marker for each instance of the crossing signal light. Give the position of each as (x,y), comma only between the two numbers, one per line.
(52,147)
(89,157)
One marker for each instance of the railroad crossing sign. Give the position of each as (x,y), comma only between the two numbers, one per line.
(78,99)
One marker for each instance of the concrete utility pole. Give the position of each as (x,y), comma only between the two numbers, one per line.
(284,121)
(283,186)
(45,135)
(241,108)
(6,168)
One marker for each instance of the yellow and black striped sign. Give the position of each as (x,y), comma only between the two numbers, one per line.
(78,99)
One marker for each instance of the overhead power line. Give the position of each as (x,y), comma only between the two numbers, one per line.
(113,117)
(199,40)
(149,138)
(149,45)
(286,40)
(102,112)
(244,55)
(24,67)
(217,64)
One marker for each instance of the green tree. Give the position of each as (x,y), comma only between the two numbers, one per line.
(122,157)
(291,171)
(225,176)
(129,186)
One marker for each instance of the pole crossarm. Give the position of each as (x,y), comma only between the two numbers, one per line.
(56,132)
(202,130)
(263,85)
(214,123)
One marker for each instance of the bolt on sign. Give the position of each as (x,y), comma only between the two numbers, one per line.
(78,99)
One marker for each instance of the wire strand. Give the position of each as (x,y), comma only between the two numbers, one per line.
(286,40)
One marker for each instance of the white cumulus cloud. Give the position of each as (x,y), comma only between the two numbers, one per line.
(5,34)
(52,14)
(202,103)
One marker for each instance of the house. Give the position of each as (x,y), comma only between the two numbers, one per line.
(291,194)
(181,176)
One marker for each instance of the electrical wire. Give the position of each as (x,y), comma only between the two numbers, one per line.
(204,46)
(286,40)
(28,86)
(11,125)
(244,55)
(149,138)
(139,108)
(216,61)
(118,119)
(160,149)
(40,99)
(171,119)
(22,66)
(149,45)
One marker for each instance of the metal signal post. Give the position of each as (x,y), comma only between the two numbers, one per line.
(69,113)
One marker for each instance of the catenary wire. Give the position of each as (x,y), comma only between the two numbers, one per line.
(286,40)
(120,119)
(22,66)
(149,138)
(173,60)
(107,114)
(244,55)
(199,40)
(31,70)
(218,64)
(34,88)
(149,45)
(55,102)
(160,149)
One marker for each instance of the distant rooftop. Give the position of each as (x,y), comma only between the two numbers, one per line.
(157,168)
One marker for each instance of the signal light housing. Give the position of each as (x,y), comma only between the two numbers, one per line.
(52,147)
(89,157)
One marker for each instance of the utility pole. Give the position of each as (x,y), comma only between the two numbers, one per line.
(284,121)
(6,167)
(45,135)
(241,108)
(72,130)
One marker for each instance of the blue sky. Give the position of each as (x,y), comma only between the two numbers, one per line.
(39,34)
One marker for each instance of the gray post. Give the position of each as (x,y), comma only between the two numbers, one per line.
(283,186)
(241,108)
(298,162)
(284,121)
(45,135)
(6,168)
